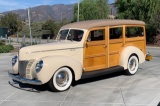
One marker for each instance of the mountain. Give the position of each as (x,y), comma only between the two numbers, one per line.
(55,12)
(46,12)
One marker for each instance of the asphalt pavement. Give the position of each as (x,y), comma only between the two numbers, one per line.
(117,89)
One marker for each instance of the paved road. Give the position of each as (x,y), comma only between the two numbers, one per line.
(142,89)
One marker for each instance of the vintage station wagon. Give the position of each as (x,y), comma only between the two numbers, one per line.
(82,50)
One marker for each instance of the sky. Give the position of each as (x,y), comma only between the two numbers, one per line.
(7,5)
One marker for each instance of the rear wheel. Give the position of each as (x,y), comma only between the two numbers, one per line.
(61,80)
(133,65)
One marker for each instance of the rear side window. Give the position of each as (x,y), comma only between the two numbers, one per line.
(134,32)
(115,33)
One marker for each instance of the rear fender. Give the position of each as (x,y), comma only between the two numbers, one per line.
(127,52)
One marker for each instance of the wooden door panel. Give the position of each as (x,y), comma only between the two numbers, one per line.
(114,53)
(95,50)
(95,63)
(113,59)
(95,56)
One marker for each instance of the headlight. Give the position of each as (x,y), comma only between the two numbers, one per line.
(14,60)
(39,66)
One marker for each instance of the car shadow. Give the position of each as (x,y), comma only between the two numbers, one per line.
(42,88)
(28,87)
(94,79)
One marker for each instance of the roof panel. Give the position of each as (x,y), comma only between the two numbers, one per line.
(101,23)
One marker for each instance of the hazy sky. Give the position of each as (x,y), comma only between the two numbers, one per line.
(7,5)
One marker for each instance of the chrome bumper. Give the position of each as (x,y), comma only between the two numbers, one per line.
(24,80)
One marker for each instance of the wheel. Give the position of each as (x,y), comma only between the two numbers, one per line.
(133,65)
(61,80)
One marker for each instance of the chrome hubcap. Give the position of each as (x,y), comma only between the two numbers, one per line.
(132,64)
(62,79)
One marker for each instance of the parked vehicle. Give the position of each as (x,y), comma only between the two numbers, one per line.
(82,50)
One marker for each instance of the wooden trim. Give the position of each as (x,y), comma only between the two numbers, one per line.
(95,67)
(134,25)
(116,26)
(135,39)
(114,52)
(95,55)
(124,35)
(107,50)
(113,41)
(97,28)
(95,43)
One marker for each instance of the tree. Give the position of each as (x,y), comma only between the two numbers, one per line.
(155,19)
(50,26)
(92,9)
(36,28)
(145,10)
(12,22)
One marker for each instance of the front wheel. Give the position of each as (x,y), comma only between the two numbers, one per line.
(61,80)
(133,65)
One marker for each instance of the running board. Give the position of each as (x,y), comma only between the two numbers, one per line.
(101,72)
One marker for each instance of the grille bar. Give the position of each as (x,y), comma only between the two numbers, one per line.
(22,68)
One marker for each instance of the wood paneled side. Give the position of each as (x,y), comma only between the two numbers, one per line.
(140,43)
(95,63)
(95,56)
(114,52)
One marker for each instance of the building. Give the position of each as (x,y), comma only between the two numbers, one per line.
(3,32)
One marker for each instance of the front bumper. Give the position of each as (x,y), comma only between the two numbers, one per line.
(24,80)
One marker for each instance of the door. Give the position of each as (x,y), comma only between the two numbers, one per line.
(116,43)
(95,56)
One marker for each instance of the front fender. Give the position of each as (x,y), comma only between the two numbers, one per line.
(52,63)
(127,52)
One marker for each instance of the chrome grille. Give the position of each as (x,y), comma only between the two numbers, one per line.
(22,68)
(28,70)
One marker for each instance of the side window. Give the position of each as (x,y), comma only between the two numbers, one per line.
(76,35)
(116,33)
(134,32)
(96,35)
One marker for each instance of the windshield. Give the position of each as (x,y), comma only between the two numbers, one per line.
(70,34)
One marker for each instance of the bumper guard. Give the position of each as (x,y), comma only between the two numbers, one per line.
(24,80)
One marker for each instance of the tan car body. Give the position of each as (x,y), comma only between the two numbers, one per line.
(78,57)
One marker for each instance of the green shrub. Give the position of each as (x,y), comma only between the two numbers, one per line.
(2,42)
(6,48)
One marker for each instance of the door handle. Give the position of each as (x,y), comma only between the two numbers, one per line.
(105,46)
(122,44)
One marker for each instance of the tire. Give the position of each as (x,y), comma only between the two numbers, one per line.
(61,80)
(132,66)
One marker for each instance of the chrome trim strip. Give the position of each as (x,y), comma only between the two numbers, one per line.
(24,80)
(56,49)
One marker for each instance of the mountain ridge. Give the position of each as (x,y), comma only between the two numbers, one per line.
(56,12)
(45,12)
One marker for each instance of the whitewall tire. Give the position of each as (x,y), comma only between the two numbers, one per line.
(133,65)
(61,80)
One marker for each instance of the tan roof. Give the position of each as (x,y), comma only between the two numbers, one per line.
(101,23)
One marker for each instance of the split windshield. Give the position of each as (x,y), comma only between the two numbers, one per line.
(70,34)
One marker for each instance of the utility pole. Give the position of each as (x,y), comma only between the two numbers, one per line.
(29,24)
(61,16)
(78,12)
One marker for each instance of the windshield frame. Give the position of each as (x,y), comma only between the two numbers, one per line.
(69,29)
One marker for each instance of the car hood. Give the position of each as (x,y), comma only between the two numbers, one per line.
(57,45)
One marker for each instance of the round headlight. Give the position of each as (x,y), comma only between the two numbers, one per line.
(39,66)
(14,60)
